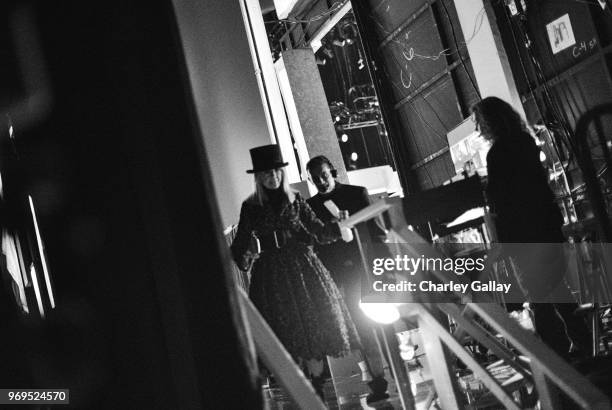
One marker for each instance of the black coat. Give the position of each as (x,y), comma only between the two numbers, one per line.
(342,258)
(519,194)
(290,286)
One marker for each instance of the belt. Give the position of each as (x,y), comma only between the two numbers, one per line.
(274,240)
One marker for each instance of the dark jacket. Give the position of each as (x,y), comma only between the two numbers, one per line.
(519,194)
(343,258)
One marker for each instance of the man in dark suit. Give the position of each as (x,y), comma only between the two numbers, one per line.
(343,260)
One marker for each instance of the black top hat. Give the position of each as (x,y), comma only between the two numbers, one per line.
(266,157)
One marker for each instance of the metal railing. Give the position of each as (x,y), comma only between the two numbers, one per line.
(544,369)
(550,374)
(276,358)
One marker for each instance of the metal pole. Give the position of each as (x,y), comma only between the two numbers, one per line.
(402,380)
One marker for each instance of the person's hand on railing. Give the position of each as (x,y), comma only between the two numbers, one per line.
(341,216)
(254,248)
(347,234)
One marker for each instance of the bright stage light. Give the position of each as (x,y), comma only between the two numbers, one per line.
(384,313)
(542,156)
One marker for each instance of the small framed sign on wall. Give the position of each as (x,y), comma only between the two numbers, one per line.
(560,34)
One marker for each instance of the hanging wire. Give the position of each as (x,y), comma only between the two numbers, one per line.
(478,22)
(566,90)
(528,82)
(556,111)
(411,54)
(334,8)
(467,72)
(406,80)
(302,41)
(433,110)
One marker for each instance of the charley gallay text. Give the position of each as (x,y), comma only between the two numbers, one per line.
(430,286)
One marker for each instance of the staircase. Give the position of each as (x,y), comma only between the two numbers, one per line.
(553,382)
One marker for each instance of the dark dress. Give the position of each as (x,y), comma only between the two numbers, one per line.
(290,286)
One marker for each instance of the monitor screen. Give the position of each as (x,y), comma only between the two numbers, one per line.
(467,144)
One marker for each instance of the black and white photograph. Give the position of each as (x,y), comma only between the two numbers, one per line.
(306,204)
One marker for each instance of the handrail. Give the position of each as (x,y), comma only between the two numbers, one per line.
(278,360)
(572,383)
(426,318)
(483,337)
(547,368)
(546,364)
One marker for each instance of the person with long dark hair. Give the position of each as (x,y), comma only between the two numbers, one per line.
(517,188)
(525,212)
(290,286)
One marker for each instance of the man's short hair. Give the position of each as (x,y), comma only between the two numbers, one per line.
(319,161)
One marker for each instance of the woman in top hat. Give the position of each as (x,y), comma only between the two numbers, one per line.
(289,285)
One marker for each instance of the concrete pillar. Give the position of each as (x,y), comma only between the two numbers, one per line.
(487,53)
(312,109)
